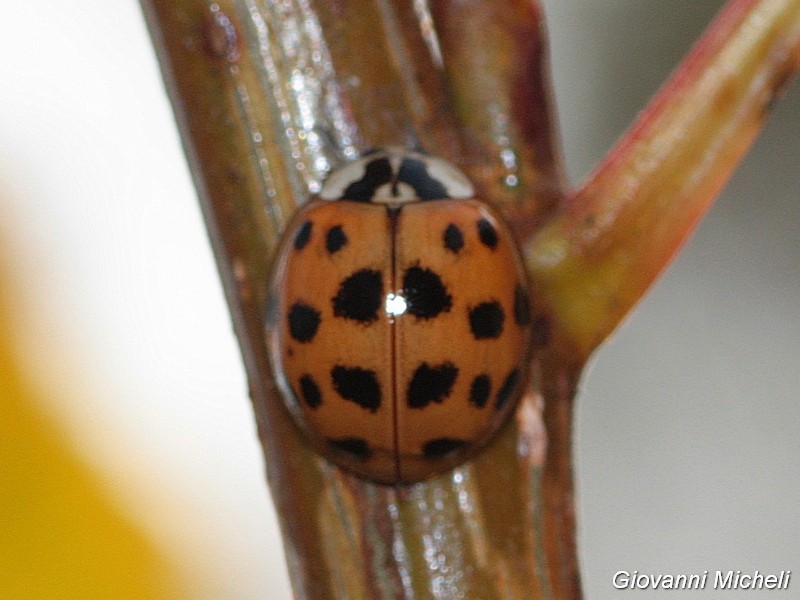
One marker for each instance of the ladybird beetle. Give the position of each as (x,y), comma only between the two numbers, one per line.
(398,318)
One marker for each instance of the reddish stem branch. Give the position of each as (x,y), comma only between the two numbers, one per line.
(594,261)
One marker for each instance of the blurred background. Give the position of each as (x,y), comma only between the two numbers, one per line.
(129,463)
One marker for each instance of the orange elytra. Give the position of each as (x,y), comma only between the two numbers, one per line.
(398,318)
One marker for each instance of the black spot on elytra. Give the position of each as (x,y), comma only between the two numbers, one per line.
(310,391)
(359,297)
(376,173)
(453,238)
(357,385)
(415,173)
(507,390)
(479,390)
(431,384)
(522,308)
(438,447)
(486,320)
(303,322)
(487,233)
(303,235)
(358,447)
(426,296)
(335,239)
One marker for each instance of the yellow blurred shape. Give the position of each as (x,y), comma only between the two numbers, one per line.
(61,537)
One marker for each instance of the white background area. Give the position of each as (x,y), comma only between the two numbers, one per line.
(687,423)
